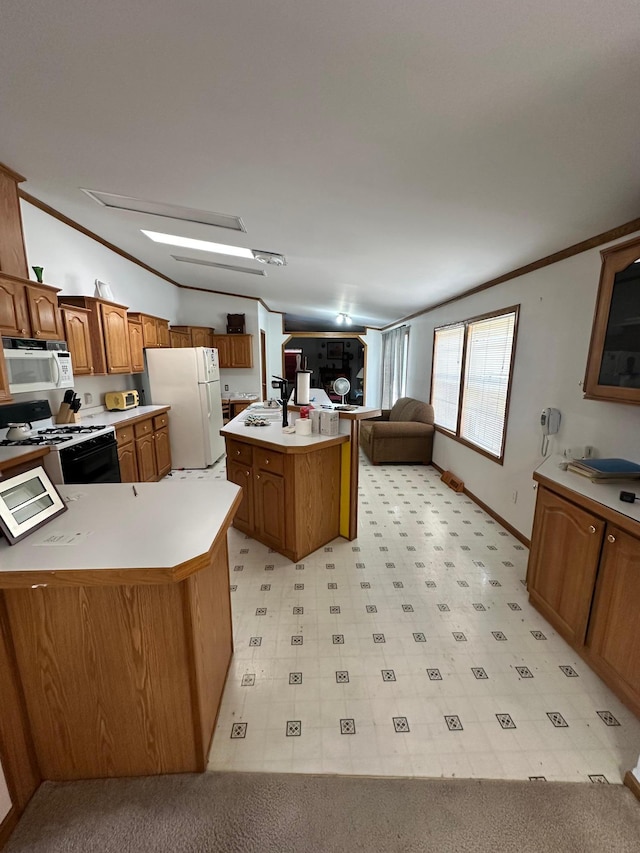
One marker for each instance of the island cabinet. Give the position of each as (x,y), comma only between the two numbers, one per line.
(234,350)
(144,449)
(584,577)
(109,333)
(290,500)
(113,659)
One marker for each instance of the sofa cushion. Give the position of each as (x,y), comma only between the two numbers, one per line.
(409,409)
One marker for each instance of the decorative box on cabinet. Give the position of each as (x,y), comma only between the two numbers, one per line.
(584,577)
(234,350)
(109,331)
(29,310)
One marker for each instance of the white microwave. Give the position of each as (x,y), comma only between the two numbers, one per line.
(34,365)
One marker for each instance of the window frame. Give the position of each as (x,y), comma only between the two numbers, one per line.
(455,436)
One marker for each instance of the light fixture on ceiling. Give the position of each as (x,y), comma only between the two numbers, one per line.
(343,318)
(232,267)
(218,248)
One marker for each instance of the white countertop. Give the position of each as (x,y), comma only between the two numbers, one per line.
(115,419)
(607,494)
(273,434)
(167,524)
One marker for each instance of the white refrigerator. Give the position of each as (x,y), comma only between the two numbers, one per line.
(188,380)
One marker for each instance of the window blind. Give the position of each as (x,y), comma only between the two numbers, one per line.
(486,381)
(447,366)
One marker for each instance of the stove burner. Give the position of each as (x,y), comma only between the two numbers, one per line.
(71,430)
(35,440)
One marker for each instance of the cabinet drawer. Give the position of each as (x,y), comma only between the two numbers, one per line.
(268,460)
(239,452)
(124,435)
(144,428)
(160,421)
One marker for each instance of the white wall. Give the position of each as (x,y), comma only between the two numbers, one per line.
(5,799)
(556,313)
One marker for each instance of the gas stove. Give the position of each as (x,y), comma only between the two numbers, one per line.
(78,453)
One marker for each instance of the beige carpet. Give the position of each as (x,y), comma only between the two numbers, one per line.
(230,812)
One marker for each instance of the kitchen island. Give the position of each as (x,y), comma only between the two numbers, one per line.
(115,627)
(299,491)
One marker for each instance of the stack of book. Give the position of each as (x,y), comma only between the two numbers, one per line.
(605,470)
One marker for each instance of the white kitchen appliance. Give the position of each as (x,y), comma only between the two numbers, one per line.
(34,365)
(188,380)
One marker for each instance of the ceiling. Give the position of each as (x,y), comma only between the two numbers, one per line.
(396,153)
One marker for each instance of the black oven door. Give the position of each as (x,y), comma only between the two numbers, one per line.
(92,461)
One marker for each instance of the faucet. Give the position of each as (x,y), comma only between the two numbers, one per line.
(284,397)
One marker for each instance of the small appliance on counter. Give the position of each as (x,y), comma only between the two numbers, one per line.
(120,401)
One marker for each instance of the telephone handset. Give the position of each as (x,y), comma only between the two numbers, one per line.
(550,421)
(550,424)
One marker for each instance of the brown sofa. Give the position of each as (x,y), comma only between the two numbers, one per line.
(401,434)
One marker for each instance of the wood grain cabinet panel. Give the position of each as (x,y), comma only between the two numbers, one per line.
(234,350)
(136,345)
(563,563)
(13,257)
(5,396)
(149,331)
(75,323)
(269,491)
(128,463)
(162,452)
(242,475)
(163,333)
(146,456)
(43,312)
(14,312)
(116,338)
(613,639)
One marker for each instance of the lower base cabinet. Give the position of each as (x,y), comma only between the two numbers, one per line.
(584,577)
(290,502)
(144,450)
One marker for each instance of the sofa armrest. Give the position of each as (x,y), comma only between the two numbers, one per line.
(399,429)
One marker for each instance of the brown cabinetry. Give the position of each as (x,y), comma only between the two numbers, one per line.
(13,258)
(75,324)
(5,396)
(198,336)
(29,310)
(178,338)
(290,501)
(584,577)
(136,345)
(234,350)
(155,330)
(109,333)
(144,449)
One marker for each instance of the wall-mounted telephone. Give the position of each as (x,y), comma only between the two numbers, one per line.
(550,424)
(550,421)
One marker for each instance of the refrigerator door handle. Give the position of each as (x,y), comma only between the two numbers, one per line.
(209,406)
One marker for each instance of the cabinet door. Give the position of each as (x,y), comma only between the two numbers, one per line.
(200,337)
(14,314)
(128,464)
(613,636)
(75,322)
(146,456)
(163,333)
(13,258)
(563,562)
(270,508)
(163,451)
(136,347)
(242,475)
(221,343)
(116,338)
(149,331)
(241,350)
(44,313)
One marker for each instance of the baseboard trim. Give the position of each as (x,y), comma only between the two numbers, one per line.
(632,784)
(512,530)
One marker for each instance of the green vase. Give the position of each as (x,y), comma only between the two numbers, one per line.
(38,271)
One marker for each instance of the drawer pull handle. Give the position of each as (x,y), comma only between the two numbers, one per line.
(266,461)
(611,538)
(257,476)
(592,529)
(237,453)
(246,473)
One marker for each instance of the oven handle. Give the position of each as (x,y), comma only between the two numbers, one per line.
(75,453)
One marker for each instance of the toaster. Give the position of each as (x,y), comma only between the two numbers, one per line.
(119,401)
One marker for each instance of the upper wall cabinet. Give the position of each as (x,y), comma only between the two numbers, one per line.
(200,336)
(29,310)
(78,337)
(155,330)
(109,333)
(13,258)
(613,366)
(234,350)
